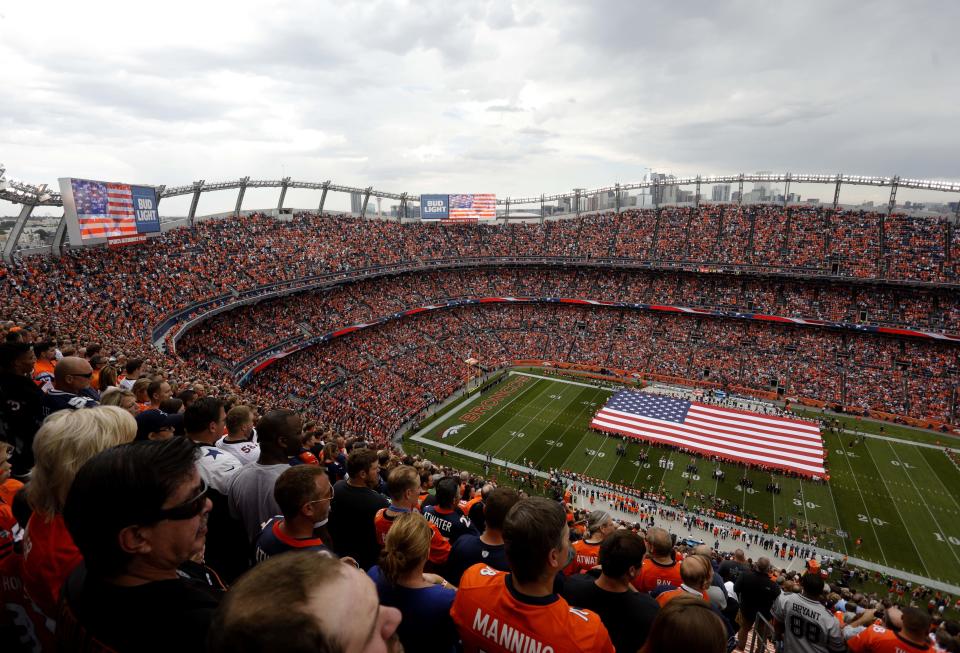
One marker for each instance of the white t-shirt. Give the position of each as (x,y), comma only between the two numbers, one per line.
(246,452)
(217,467)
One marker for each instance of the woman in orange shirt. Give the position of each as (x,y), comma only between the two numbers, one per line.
(586,552)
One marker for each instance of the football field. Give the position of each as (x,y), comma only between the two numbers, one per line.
(901,498)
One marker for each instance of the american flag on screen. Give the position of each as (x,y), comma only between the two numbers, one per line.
(104,210)
(738,435)
(470,208)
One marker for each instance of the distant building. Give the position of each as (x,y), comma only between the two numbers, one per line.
(721,193)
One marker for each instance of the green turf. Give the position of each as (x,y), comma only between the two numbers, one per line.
(903,500)
(853,423)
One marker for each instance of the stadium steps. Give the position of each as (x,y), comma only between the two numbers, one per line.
(652,252)
(686,233)
(753,230)
(306,329)
(716,243)
(612,247)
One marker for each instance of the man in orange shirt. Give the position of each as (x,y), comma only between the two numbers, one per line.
(662,565)
(914,635)
(501,612)
(586,552)
(46,360)
(403,486)
(697,574)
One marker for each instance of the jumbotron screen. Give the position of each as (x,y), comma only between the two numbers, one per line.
(458,208)
(97,210)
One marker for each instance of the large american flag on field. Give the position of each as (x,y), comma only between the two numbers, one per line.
(729,433)
(104,210)
(470,208)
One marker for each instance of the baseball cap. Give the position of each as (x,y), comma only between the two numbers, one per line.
(150,421)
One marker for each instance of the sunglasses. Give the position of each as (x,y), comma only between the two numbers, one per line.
(186,510)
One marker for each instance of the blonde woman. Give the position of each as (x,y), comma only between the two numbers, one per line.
(423,599)
(67,440)
(122,398)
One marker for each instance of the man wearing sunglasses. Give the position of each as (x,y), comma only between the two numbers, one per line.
(138,513)
(71,385)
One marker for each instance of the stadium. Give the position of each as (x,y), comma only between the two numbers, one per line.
(489,326)
(493,344)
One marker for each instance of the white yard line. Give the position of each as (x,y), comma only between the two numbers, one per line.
(594,457)
(525,425)
(943,533)
(432,425)
(894,502)
(568,382)
(866,564)
(889,438)
(863,501)
(833,502)
(559,438)
(495,413)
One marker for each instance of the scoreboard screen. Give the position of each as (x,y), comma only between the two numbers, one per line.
(98,210)
(458,208)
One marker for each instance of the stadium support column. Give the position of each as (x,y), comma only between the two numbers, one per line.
(542,202)
(616,197)
(576,200)
(836,191)
(284,184)
(60,237)
(786,189)
(894,183)
(507,215)
(240,193)
(366,198)
(11,245)
(197,189)
(323,196)
(696,197)
(740,191)
(402,211)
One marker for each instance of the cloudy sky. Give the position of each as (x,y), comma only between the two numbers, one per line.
(514,97)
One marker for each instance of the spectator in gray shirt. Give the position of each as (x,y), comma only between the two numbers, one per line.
(251,490)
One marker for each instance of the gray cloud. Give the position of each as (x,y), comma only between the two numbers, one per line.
(515,96)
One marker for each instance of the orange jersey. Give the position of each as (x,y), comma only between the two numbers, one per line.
(43,372)
(439,545)
(665,597)
(492,617)
(653,574)
(586,556)
(877,639)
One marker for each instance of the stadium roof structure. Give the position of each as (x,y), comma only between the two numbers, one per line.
(30,196)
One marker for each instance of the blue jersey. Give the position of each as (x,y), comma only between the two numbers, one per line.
(468,551)
(452,523)
(57,400)
(272,541)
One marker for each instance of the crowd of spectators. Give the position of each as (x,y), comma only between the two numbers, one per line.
(376,379)
(149,504)
(234,336)
(143,530)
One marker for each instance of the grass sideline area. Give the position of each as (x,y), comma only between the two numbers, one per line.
(902,500)
(866,425)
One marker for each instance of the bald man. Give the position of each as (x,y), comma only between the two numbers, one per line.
(697,575)
(662,564)
(71,386)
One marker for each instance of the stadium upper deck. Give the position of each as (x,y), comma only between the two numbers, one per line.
(783,261)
